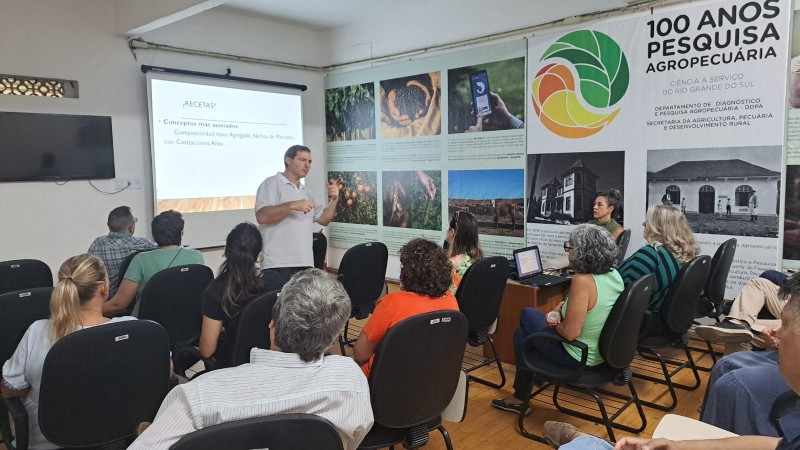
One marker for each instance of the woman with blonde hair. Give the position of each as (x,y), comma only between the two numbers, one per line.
(76,303)
(670,244)
(463,247)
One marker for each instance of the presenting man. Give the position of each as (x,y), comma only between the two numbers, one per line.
(292,377)
(286,212)
(114,247)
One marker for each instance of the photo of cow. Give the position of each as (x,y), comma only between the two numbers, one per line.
(494,197)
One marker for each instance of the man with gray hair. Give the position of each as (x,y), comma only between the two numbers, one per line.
(292,377)
(114,247)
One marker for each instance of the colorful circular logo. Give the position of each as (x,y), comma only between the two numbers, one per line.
(603,76)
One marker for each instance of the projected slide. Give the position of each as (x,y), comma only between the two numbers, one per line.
(213,146)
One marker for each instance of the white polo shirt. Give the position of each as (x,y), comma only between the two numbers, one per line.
(287,243)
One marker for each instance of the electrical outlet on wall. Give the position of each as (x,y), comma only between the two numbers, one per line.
(137,183)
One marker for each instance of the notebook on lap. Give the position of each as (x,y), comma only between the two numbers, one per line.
(529,268)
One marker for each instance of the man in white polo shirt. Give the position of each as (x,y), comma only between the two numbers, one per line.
(286,212)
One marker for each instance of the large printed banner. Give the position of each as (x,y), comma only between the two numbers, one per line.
(684,108)
(411,143)
(791,223)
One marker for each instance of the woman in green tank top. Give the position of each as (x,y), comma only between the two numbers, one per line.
(594,290)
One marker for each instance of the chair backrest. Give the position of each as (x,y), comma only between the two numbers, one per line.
(481,291)
(98,384)
(18,310)
(417,367)
(173,298)
(718,274)
(283,432)
(252,328)
(622,245)
(363,272)
(681,300)
(320,248)
(621,331)
(21,274)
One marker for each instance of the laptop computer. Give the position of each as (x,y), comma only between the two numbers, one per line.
(528,262)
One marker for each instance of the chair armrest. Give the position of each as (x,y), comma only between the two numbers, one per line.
(547,368)
(14,408)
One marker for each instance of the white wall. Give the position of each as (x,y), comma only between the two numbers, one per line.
(75,39)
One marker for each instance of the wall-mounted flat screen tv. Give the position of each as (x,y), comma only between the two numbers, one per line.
(41,147)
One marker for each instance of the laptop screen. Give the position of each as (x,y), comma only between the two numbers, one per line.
(528,261)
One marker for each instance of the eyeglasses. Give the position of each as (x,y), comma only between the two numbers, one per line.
(567,247)
(135,220)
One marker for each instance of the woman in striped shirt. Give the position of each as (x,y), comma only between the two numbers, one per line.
(670,244)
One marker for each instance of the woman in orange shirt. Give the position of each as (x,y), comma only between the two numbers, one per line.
(425,278)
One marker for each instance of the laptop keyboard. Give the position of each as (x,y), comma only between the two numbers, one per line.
(543,280)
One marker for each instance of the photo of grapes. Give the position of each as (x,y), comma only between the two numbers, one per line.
(350,113)
(412,199)
(411,106)
(358,197)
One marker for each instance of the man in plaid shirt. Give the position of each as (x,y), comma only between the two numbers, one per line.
(118,243)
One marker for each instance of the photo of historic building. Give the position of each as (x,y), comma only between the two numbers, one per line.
(721,191)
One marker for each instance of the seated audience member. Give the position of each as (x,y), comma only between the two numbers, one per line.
(670,244)
(593,292)
(75,304)
(292,377)
(758,293)
(167,229)
(605,210)
(568,437)
(463,246)
(238,282)
(114,247)
(425,279)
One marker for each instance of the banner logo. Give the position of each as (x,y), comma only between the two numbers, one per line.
(603,77)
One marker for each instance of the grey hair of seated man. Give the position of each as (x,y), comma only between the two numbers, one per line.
(310,313)
(594,250)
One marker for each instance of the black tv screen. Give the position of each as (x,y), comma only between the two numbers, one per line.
(37,147)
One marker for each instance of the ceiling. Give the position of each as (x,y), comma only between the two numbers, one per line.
(329,14)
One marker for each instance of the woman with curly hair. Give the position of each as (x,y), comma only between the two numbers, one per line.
(463,246)
(594,290)
(425,278)
(670,244)
(605,210)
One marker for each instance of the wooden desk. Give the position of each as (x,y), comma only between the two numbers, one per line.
(516,297)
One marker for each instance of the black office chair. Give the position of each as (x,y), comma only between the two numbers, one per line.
(97,397)
(18,310)
(21,274)
(283,432)
(414,377)
(173,298)
(251,330)
(668,328)
(622,245)
(320,248)
(617,347)
(712,299)
(479,296)
(363,275)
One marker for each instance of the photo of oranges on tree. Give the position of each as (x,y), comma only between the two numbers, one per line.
(358,197)
(350,113)
(412,199)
